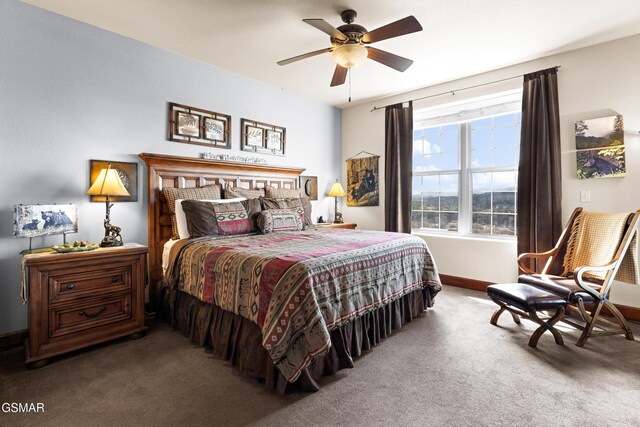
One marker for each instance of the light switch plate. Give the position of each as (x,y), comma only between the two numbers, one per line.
(585,196)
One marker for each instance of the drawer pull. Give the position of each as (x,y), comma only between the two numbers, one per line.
(114,279)
(71,286)
(96,314)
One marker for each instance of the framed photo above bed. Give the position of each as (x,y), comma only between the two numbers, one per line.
(192,125)
(262,138)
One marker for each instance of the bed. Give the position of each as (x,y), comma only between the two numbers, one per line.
(286,308)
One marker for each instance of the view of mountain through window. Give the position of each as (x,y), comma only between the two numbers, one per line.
(465,173)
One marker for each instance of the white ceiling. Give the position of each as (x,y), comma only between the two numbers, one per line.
(460,37)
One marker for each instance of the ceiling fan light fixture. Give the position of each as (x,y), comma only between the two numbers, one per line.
(349,55)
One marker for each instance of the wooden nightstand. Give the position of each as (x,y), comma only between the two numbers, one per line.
(349,225)
(83,298)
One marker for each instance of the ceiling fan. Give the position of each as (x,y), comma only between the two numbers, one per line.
(350,44)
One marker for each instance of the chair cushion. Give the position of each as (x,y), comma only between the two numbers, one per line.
(565,287)
(525,297)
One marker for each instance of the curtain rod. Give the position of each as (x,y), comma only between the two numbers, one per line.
(453,92)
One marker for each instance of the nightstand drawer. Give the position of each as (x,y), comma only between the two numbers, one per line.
(89,283)
(89,313)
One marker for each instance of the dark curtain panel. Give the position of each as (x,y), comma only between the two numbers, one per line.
(539,181)
(398,165)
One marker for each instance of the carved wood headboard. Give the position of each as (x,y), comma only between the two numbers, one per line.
(187,172)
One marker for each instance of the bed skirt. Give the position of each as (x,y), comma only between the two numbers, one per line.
(239,341)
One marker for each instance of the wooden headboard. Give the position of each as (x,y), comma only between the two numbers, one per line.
(187,172)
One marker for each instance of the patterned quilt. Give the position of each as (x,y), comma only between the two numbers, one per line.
(297,286)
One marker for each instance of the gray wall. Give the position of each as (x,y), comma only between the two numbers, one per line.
(70,92)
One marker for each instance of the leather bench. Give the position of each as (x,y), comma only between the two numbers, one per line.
(525,300)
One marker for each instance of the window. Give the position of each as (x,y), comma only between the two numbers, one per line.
(465,159)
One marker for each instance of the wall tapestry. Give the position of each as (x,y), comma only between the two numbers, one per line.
(600,148)
(128,173)
(197,126)
(44,220)
(362,181)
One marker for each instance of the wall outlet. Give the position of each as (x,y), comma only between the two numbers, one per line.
(585,196)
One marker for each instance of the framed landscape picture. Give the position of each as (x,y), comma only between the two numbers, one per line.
(192,125)
(600,151)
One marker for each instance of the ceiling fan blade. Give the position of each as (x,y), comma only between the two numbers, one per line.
(404,26)
(389,59)
(304,56)
(339,75)
(325,27)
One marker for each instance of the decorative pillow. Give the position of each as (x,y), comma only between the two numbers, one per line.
(231,192)
(282,193)
(273,220)
(208,192)
(200,217)
(232,218)
(253,208)
(303,205)
(211,219)
(181,218)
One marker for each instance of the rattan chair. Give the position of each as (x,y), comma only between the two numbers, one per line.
(612,240)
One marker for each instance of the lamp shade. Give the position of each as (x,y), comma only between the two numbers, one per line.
(349,55)
(108,183)
(336,190)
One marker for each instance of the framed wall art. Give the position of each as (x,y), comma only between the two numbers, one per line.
(44,220)
(128,173)
(600,151)
(262,138)
(309,186)
(192,125)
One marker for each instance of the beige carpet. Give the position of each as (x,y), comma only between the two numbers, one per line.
(450,367)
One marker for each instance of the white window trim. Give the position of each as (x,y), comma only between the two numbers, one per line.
(458,113)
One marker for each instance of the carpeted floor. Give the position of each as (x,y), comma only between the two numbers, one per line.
(449,367)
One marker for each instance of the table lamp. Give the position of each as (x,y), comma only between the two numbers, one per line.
(337,191)
(108,184)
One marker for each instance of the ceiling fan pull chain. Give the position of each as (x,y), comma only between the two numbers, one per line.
(349,84)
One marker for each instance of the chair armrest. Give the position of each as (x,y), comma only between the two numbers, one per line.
(579,272)
(526,255)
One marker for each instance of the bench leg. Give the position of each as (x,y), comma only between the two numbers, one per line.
(499,311)
(546,326)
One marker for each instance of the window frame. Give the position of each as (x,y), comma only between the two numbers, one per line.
(465,171)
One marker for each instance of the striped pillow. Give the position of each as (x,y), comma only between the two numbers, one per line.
(208,192)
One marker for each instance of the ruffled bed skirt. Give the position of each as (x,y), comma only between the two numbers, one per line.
(238,340)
